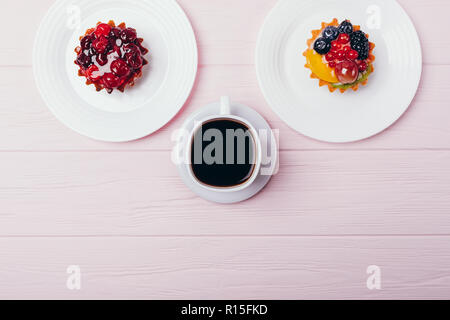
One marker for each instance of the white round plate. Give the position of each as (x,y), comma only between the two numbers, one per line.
(269,151)
(313,110)
(141,110)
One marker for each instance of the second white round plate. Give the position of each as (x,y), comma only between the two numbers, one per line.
(313,110)
(141,110)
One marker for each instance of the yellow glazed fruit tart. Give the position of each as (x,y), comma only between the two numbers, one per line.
(340,56)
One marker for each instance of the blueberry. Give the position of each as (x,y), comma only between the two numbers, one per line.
(322,46)
(330,33)
(346,27)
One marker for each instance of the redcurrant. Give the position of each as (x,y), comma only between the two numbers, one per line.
(343,38)
(335,45)
(352,55)
(362,66)
(340,55)
(330,56)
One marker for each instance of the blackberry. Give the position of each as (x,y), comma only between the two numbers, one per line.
(360,43)
(322,45)
(346,27)
(330,33)
(358,35)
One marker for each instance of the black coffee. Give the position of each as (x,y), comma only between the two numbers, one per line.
(223,153)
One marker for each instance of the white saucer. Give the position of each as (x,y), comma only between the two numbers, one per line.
(334,117)
(269,148)
(141,110)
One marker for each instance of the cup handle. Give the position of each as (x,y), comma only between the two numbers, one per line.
(225,106)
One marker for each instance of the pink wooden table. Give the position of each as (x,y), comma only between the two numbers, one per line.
(121,213)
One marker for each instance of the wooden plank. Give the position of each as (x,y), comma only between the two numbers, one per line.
(314,193)
(26,123)
(225,35)
(225,268)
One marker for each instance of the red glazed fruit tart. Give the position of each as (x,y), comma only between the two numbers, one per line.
(340,56)
(110,57)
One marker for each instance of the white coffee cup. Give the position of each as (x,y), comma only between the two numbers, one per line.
(225,114)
